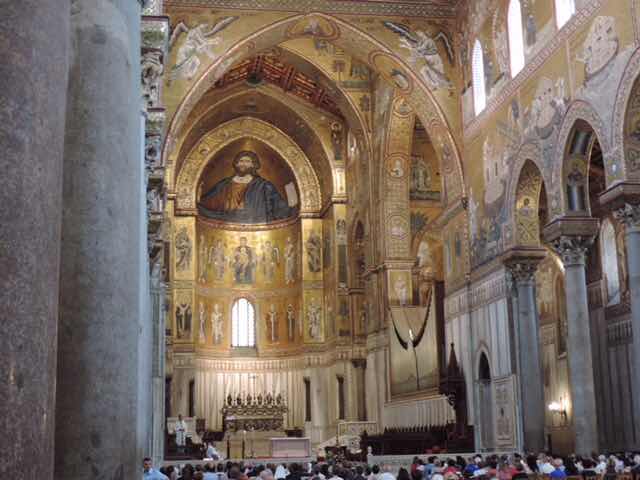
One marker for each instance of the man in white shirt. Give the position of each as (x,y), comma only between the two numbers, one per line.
(386,473)
(148,473)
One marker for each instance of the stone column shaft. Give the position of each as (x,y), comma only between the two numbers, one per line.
(34,44)
(100,284)
(572,250)
(629,215)
(528,328)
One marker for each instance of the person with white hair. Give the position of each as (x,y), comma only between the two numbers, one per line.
(601,467)
(281,472)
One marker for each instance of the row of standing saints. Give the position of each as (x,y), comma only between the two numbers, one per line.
(272,319)
(244,259)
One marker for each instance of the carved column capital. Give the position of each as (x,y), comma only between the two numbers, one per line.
(521,263)
(629,215)
(572,249)
(523,271)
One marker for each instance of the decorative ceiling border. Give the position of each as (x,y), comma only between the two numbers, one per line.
(581,18)
(344,7)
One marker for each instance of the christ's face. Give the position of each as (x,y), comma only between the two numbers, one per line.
(244,166)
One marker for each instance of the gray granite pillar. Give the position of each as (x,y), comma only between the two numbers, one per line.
(34,40)
(100,284)
(158,317)
(530,366)
(572,251)
(629,215)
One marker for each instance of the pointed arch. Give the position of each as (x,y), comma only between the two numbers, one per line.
(565,9)
(370,51)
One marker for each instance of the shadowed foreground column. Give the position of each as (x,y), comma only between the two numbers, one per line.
(96,413)
(34,40)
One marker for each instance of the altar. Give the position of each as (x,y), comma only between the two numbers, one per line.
(254,428)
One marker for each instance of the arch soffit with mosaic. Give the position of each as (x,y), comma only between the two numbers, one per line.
(578,110)
(529,152)
(346,36)
(276,95)
(247,127)
(627,90)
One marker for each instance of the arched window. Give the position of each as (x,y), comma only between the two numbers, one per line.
(609,251)
(564,11)
(516,38)
(477,69)
(243,324)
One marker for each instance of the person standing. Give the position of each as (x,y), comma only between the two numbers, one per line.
(181,434)
(149,473)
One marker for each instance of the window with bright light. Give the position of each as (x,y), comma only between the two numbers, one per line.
(516,37)
(564,11)
(243,324)
(477,69)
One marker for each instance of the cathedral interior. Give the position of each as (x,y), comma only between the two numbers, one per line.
(382,225)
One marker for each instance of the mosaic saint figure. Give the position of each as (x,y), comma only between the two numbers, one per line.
(272,323)
(202,261)
(313,315)
(183,320)
(291,322)
(244,263)
(216,324)
(245,197)
(218,258)
(202,315)
(183,250)
(314,252)
(290,261)
(270,260)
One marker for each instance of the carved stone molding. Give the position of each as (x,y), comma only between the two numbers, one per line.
(572,250)
(522,263)
(571,237)
(629,215)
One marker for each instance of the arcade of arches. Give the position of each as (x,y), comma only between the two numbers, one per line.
(352,209)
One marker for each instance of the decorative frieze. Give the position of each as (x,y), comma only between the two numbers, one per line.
(155,44)
(404,9)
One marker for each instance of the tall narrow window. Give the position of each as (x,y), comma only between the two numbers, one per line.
(564,11)
(477,69)
(243,324)
(307,400)
(609,252)
(340,398)
(516,38)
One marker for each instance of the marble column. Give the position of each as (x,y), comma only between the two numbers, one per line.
(528,328)
(33,70)
(629,215)
(572,250)
(100,284)
(360,365)
(158,316)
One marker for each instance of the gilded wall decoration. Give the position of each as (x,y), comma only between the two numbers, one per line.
(198,39)
(527,205)
(245,127)
(423,46)
(183,248)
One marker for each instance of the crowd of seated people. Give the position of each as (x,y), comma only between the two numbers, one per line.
(492,467)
